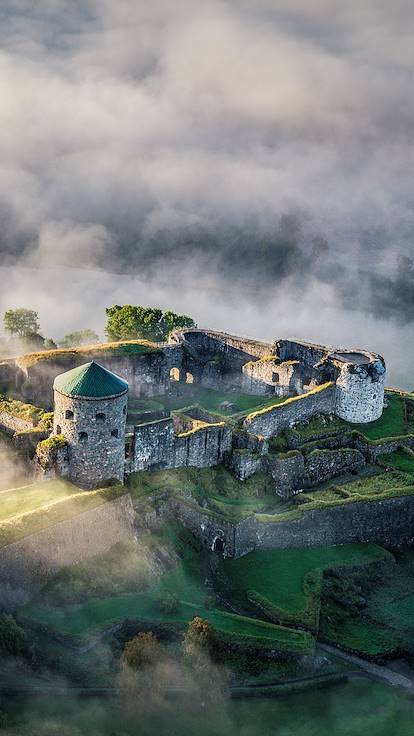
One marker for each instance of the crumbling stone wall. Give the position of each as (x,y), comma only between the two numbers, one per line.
(287,472)
(322,465)
(267,376)
(12,424)
(157,446)
(270,422)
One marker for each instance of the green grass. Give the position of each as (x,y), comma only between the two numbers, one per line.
(362,636)
(186,582)
(22,500)
(400,460)
(41,505)
(217,488)
(124,347)
(391,423)
(208,399)
(281,577)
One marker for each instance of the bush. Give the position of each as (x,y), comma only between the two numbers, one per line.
(12,637)
(141,651)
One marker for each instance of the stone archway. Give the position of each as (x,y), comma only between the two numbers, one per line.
(218,545)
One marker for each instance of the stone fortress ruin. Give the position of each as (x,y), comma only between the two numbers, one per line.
(90,406)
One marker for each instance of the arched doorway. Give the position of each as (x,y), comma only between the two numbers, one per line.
(218,545)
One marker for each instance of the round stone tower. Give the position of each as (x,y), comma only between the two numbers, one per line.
(90,411)
(359,386)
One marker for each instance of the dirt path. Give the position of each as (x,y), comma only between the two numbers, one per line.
(376,671)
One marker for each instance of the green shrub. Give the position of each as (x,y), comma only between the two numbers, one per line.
(12,637)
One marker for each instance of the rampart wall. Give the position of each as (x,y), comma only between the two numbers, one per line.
(269,422)
(157,446)
(389,522)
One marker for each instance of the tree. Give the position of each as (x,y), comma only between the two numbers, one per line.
(141,651)
(149,323)
(199,639)
(22,323)
(80,337)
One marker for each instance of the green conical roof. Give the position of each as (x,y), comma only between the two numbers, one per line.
(90,380)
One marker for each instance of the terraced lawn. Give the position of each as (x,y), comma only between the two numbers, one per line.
(399,460)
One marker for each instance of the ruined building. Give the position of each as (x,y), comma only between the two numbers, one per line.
(91,401)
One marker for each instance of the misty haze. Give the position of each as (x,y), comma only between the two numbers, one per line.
(206,385)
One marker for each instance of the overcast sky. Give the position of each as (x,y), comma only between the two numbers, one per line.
(248,162)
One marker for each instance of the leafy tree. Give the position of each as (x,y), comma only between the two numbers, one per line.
(12,637)
(80,337)
(148,323)
(141,651)
(49,344)
(22,323)
(199,639)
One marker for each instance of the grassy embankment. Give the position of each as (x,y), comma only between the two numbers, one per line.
(89,352)
(29,509)
(186,585)
(372,613)
(216,489)
(286,584)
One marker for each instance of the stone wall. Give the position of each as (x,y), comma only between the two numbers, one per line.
(287,472)
(204,526)
(322,465)
(12,424)
(269,422)
(389,522)
(156,445)
(268,376)
(26,565)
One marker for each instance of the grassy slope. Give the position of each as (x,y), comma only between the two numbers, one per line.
(399,460)
(390,424)
(279,575)
(125,347)
(22,500)
(186,582)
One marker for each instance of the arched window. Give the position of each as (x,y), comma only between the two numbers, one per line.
(68,414)
(114,433)
(100,417)
(124,410)
(189,378)
(83,436)
(174,374)
(275,377)
(58,429)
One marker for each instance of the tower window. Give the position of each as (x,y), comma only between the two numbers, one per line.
(68,414)
(58,429)
(114,433)
(83,436)
(124,410)
(100,417)
(275,377)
